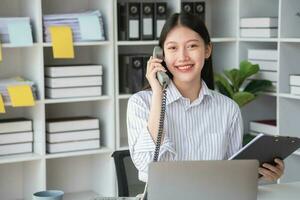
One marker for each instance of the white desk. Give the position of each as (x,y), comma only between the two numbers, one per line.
(284,191)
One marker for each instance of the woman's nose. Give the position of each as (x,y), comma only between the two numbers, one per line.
(183,54)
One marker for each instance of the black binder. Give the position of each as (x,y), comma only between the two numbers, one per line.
(122,20)
(265,148)
(134,21)
(135,73)
(147,20)
(123,74)
(187,7)
(160,17)
(200,9)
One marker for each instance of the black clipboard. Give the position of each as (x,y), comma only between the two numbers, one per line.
(265,148)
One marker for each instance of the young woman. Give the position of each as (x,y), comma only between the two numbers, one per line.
(200,124)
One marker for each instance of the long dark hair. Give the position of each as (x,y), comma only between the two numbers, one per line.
(196,24)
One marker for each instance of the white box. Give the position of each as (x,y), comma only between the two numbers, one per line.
(71,124)
(73,82)
(264,126)
(259,22)
(267,65)
(73,136)
(263,54)
(267,75)
(20,137)
(73,146)
(259,32)
(66,71)
(295,80)
(295,90)
(15,125)
(73,92)
(9,149)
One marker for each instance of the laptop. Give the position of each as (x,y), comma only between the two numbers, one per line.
(213,180)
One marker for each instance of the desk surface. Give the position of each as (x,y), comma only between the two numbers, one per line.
(289,191)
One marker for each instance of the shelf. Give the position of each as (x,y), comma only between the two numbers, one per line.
(86,195)
(36,102)
(66,100)
(103,43)
(258,39)
(289,39)
(290,96)
(133,43)
(229,39)
(19,158)
(8,45)
(124,96)
(102,150)
(273,94)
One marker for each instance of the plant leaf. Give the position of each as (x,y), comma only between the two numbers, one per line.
(234,76)
(247,69)
(255,86)
(223,85)
(242,98)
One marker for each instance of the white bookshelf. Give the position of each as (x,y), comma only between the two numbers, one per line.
(85,174)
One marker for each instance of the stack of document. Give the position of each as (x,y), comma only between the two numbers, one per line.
(16,136)
(72,134)
(263,126)
(73,81)
(14,81)
(86,26)
(268,65)
(265,27)
(10,28)
(295,84)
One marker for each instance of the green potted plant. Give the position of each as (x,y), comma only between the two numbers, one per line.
(232,84)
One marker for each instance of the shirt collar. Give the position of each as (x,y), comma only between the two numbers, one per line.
(173,94)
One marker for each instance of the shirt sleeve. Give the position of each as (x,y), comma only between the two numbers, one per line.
(235,133)
(141,144)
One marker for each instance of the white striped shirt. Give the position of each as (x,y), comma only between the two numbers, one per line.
(209,128)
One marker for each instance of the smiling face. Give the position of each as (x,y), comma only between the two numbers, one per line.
(185,54)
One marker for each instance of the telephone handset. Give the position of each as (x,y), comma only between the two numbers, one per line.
(162,77)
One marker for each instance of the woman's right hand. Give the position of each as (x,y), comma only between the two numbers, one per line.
(153,66)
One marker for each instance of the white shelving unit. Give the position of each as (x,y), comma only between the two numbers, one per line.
(85,174)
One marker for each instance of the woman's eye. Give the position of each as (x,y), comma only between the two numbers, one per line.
(171,48)
(192,46)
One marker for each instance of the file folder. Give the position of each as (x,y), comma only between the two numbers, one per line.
(187,7)
(160,17)
(122,20)
(200,10)
(134,21)
(147,21)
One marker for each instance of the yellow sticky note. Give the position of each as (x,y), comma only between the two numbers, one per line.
(0,52)
(2,106)
(20,95)
(62,41)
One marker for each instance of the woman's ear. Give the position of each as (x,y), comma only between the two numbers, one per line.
(208,50)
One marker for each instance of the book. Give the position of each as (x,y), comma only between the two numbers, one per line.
(73,146)
(263,54)
(295,90)
(295,80)
(267,75)
(71,124)
(73,92)
(73,136)
(277,147)
(259,32)
(259,22)
(11,138)
(264,126)
(73,70)
(265,65)
(73,81)
(15,125)
(9,149)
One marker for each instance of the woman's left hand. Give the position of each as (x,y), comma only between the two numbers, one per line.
(272,172)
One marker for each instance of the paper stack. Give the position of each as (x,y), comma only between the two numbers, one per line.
(263,126)
(72,134)
(267,61)
(86,26)
(265,27)
(16,30)
(73,81)
(295,84)
(16,136)
(15,81)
